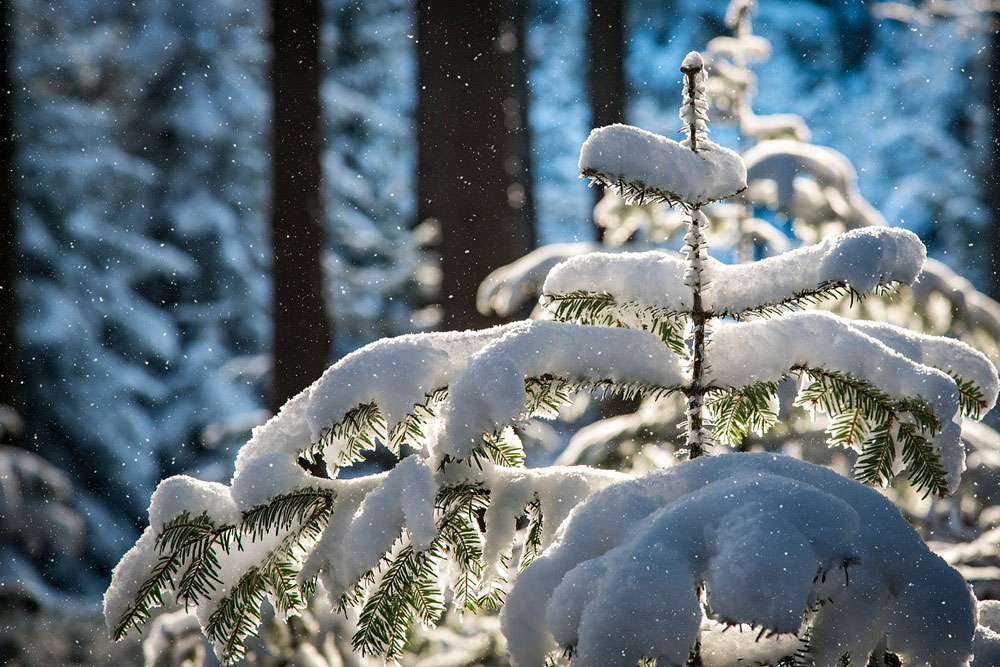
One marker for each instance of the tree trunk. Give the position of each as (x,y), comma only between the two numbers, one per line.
(9,370)
(472,144)
(992,180)
(302,331)
(606,67)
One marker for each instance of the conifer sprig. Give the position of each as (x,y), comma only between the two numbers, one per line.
(970,397)
(634,192)
(408,584)
(601,309)
(533,535)
(185,540)
(363,427)
(865,418)
(189,565)
(734,414)
(827,290)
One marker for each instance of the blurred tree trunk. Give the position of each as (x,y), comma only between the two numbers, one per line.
(302,331)
(606,67)
(992,183)
(9,370)
(472,144)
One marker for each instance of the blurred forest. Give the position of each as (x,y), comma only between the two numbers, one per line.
(206,203)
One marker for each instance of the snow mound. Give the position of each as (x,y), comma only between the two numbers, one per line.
(776,543)
(662,166)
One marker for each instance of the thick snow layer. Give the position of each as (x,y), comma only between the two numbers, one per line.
(404,499)
(394,373)
(491,392)
(862,259)
(767,536)
(741,354)
(653,278)
(662,166)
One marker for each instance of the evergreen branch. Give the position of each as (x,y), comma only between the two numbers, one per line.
(824,291)
(179,541)
(282,512)
(462,508)
(533,536)
(970,397)
(878,453)
(363,428)
(427,599)
(408,583)
(635,193)
(863,416)
(849,428)
(925,470)
(237,615)
(601,309)
(735,413)
(548,394)
(503,449)
(387,614)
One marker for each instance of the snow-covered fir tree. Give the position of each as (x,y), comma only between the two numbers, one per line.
(800,564)
(140,217)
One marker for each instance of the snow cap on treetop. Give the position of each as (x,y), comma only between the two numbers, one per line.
(692,62)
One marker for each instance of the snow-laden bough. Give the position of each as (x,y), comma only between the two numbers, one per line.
(784,546)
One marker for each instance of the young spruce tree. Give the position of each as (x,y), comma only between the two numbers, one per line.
(608,569)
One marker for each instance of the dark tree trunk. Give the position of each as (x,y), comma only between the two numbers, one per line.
(301,328)
(9,370)
(472,154)
(992,181)
(606,70)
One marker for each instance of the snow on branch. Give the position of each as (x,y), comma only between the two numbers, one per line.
(859,261)
(646,166)
(492,391)
(781,545)
(890,399)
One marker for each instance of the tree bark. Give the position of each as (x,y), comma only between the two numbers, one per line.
(606,68)
(10,376)
(472,144)
(992,176)
(302,331)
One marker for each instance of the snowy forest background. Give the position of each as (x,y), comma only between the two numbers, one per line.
(139,268)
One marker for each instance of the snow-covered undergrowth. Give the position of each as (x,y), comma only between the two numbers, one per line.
(768,541)
(460,518)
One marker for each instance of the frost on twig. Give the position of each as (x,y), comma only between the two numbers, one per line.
(785,547)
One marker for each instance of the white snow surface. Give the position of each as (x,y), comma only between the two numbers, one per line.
(663,166)
(394,373)
(652,278)
(946,354)
(741,354)
(172,497)
(767,536)
(491,393)
(862,259)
